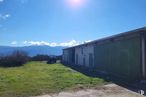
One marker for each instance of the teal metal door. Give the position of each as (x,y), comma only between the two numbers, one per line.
(91,60)
(76,59)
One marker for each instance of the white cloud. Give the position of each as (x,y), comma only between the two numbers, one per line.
(5,16)
(68,44)
(14,42)
(36,43)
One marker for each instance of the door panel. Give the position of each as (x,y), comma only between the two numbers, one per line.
(91,60)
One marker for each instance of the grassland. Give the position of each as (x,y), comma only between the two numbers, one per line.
(36,78)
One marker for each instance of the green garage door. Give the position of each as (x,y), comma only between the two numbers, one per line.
(91,59)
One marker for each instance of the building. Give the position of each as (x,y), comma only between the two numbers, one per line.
(122,55)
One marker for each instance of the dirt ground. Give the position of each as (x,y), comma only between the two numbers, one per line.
(110,90)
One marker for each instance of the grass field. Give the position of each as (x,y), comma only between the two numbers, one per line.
(36,78)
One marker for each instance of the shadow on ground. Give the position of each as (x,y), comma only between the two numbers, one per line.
(135,86)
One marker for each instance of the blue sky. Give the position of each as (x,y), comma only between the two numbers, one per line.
(67,22)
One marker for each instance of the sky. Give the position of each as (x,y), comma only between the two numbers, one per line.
(67,22)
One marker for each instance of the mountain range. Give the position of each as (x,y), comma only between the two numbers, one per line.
(32,50)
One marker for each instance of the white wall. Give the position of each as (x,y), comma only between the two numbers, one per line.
(65,55)
(87,49)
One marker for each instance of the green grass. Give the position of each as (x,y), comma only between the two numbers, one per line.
(36,78)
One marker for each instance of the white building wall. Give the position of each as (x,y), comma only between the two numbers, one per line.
(65,55)
(84,52)
(89,49)
(78,52)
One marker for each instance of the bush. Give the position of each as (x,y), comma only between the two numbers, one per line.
(40,58)
(59,57)
(52,60)
(17,58)
(49,59)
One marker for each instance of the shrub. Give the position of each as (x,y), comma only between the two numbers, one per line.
(52,60)
(59,57)
(40,58)
(17,58)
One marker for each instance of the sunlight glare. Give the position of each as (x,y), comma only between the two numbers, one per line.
(76,3)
